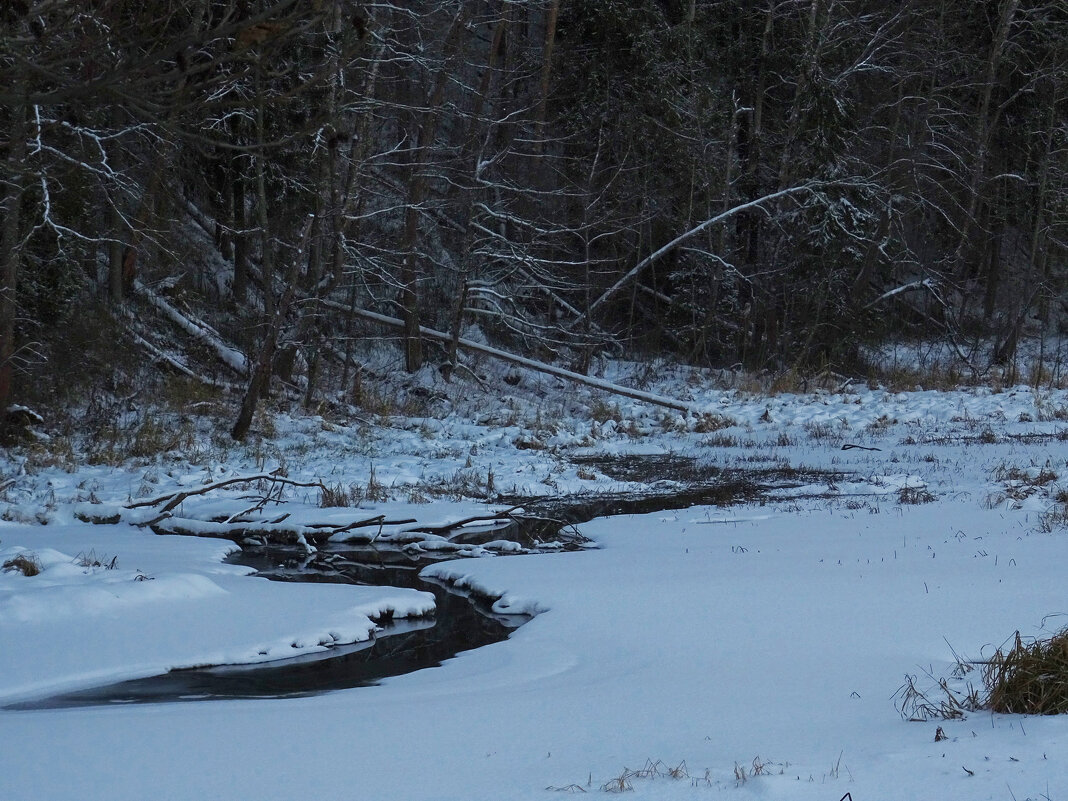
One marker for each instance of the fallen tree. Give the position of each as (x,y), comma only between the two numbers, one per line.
(541,367)
(197,329)
(658,254)
(163,514)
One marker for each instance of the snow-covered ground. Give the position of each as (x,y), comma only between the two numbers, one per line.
(752,651)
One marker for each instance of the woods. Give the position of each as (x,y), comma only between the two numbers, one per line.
(774,184)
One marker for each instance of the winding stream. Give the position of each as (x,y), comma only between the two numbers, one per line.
(402,646)
(460,623)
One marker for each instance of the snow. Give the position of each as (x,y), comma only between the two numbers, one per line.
(760,645)
(164,606)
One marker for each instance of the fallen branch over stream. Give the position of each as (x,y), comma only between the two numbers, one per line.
(251,525)
(315,534)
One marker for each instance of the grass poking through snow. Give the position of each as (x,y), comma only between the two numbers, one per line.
(1029,678)
(26,564)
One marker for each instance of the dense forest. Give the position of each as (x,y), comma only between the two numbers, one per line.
(260,185)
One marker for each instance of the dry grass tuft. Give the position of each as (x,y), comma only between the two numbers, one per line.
(1029,678)
(336,496)
(26,564)
(653,769)
(89,559)
(915,495)
(1056,517)
(940,703)
(824,433)
(1008,472)
(620,784)
(708,423)
(721,441)
(603,411)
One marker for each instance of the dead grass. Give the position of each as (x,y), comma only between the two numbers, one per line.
(1020,483)
(1006,472)
(915,495)
(1027,676)
(602,411)
(721,441)
(25,563)
(1048,412)
(1056,517)
(89,560)
(708,423)
(113,445)
(825,433)
(759,767)
(55,452)
(881,424)
(941,702)
(341,495)
(653,769)
(1030,677)
(334,496)
(904,379)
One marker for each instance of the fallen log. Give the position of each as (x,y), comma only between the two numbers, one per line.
(541,367)
(229,356)
(275,533)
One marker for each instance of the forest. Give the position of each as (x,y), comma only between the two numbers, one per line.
(248,192)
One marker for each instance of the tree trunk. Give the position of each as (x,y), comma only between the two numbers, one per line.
(551,16)
(750,226)
(457,329)
(239,222)
(261,371)
(10,210)
(417,191)
(115,250)
(993,276)
(984,126)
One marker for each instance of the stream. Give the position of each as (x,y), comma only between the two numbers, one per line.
(461,622)
(400,646)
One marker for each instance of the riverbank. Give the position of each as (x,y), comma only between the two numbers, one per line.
(759,646)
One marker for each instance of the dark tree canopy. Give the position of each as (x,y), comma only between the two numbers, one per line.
(520,166)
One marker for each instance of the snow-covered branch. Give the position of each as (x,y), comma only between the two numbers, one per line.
(635,271)
(912,286)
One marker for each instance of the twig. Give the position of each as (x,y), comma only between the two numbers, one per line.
(446,528)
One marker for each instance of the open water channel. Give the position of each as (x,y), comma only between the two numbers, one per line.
(461,622)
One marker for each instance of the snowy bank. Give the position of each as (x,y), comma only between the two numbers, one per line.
(167,603)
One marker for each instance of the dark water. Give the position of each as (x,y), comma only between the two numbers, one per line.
(460,624)
(671,482)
